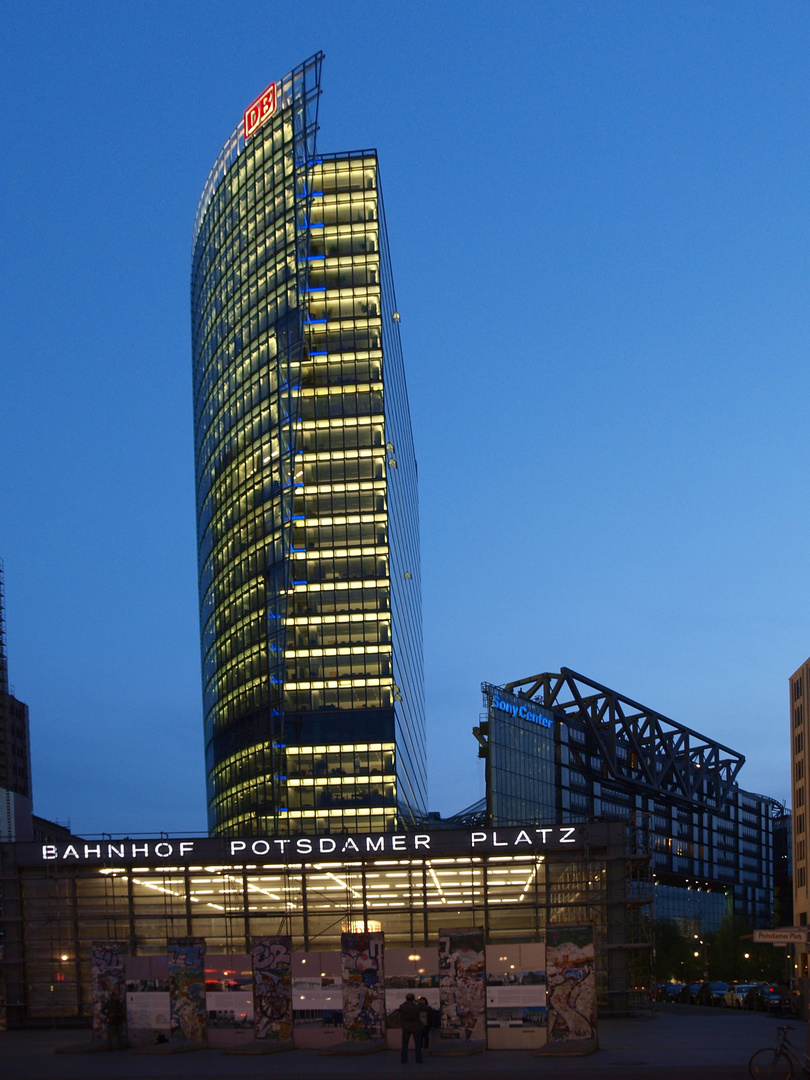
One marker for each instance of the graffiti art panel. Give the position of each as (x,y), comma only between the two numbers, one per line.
(571,983)
(186,963)
(272,987)
(363,986)
(109,992)
(462,983)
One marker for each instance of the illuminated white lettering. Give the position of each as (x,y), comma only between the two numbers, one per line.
(281,844)
(144,850)
(375,845)
(92,849)
(303,846)
(495,840)
(114,852)
(71,851)
(398,843)
(166,852)
(186,846)
(543,834)
(523,837)
(351,842)
(237,845)
(48,851)
(421,841)
(567,834)
(478,838)
(260,847)
(324,841)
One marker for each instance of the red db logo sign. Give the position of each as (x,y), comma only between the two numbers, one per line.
(263,107)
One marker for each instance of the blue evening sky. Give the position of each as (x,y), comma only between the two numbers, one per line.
(599,221)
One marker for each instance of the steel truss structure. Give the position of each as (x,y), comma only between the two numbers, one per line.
(639,747)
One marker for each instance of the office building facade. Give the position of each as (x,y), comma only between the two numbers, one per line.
(15,750)
(560,747)
(799,689)
(308,548)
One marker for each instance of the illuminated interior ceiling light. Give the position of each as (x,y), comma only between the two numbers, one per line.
(346,885)
(437,884)
(362,926)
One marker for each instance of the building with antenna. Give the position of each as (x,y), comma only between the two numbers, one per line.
(307,519)
(15,750)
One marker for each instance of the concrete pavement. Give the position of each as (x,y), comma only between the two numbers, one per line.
(681,1043)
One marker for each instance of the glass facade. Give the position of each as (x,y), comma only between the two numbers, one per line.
(521,761)
(567,760)
(306,490)
(54,912)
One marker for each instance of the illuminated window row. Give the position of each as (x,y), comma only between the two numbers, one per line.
(331,586)
(316,554)
(340,487)
(242,755)
(357,778)
(358,196)
(339,650)
(343,388)
(331,684)
(339,454)
(347,811)
(361,305)
(336,748)
(326,423)
(348,293)
(340,619)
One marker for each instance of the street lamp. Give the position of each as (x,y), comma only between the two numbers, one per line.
(704,947)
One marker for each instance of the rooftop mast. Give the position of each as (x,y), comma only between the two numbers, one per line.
(3,655)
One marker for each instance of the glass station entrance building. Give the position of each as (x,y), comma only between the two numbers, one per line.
(512,883)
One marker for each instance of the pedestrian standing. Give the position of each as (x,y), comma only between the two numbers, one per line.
(427,1022)
(409,1012)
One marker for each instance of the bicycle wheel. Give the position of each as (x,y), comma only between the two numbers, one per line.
(774,1064)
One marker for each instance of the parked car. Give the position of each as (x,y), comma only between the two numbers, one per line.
(764,998)
(671,991)
(718,992)
(692,993)
(735,995)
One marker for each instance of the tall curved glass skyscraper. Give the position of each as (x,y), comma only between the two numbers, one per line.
(307,520)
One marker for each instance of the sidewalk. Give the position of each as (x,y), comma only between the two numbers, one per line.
(679,1043)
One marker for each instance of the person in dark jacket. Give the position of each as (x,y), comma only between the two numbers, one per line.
(411,1022)
(427,1020)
